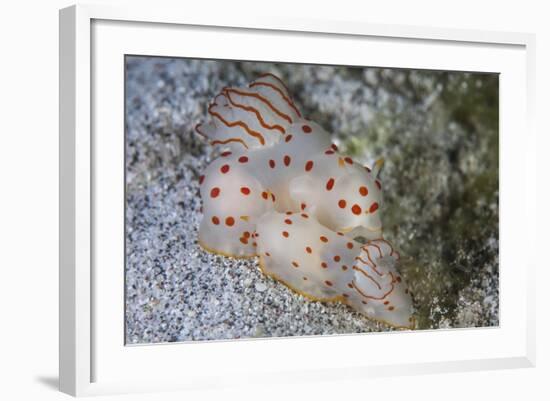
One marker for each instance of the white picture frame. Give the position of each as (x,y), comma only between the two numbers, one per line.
(93,358)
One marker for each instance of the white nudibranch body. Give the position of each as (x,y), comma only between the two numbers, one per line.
(280,190)
(325,265)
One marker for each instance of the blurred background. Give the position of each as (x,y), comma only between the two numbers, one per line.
(438,134)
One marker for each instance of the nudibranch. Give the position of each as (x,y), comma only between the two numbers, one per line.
(324,265)
(279,176)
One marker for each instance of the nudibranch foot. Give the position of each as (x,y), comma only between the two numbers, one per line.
(226,254)
(307,295)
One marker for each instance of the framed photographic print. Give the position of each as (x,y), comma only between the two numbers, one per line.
(342,190)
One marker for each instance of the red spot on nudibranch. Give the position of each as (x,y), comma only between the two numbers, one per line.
(303,206)
(287,160)
(308,249)
(329,152)
(285,234)
(350,285)
(201,179)
(350,245)
(344,267)
(348,160)
(309,165)
(244,240)
(295,264)
(334,147)
(245,190)
(264,195)
(356,209)
(330,184)
(267,254)
(225,154)
(288,138)
(363,191)
(342,203)
(305,216)
(243,159)
(337,258)
(378,184)
(215,192)
(272,163)
(373,208)
(391,308)
(215,220)
(288,221)
(329,283)
(273,197)
(246,234)
(306,129)
(225,168)
(323,238)
(324,265)
(230,221)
